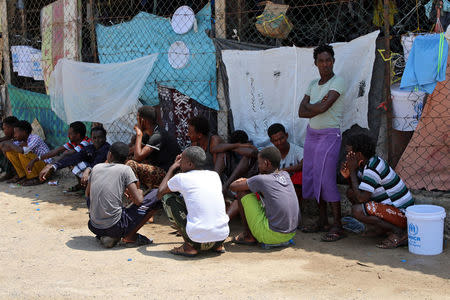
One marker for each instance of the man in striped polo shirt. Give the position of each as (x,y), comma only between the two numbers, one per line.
(378,195)
(77,141)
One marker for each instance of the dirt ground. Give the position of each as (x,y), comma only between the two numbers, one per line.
(47,251)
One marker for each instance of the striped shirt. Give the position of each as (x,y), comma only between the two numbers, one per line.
(35,145)
(77,147)
(385,185)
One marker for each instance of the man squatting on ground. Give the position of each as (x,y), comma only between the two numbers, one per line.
(267,202)
(378,195)
(199,212)
(107,218)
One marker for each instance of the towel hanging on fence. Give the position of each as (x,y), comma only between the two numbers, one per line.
(426,63)
(97,92)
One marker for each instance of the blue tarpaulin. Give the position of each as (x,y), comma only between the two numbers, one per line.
(148,34)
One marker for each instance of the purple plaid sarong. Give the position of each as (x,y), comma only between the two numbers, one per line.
(320,159)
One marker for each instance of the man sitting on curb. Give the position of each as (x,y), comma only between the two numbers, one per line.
(107,185)
(86,159)
(270,213)
(378,195)
(200,213)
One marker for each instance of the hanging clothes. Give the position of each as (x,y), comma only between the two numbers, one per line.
(426,63)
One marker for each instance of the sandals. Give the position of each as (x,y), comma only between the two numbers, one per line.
(333,236)
(141,240)
(181,251)
(393,241)
(240,239)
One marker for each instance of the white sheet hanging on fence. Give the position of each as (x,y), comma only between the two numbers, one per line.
(267,86)
(97,92)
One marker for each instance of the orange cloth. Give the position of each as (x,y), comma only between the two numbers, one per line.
(386,212)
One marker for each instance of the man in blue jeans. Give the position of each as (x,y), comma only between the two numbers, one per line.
(107,219)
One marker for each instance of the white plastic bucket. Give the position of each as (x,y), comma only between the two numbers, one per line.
(406,108)
(425,229)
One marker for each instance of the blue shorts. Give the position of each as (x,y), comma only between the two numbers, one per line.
(131,217)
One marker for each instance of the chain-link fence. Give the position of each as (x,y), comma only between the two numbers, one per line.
(189,79)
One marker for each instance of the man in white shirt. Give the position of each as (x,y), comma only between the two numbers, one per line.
(199,212)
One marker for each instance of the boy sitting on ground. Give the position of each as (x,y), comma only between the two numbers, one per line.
(8,130)
(200,213)
(154,150)
(378,195)
(107,185)
(291,156)
(267,203)
(200,135)
(240,158)
(25,148)
(77,141)
(85,159)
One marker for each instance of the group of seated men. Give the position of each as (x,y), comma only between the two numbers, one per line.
(262,187)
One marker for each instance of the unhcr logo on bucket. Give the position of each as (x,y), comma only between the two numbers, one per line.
(413,230)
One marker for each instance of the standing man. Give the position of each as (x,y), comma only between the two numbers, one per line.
(323,104)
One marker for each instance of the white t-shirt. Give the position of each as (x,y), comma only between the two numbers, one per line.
(207,220)
(294,156)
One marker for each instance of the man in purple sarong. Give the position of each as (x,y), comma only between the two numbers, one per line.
(323,105)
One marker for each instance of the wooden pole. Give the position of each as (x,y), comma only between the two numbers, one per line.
(220,29)
(387,78)
(90,18)
(6,56)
